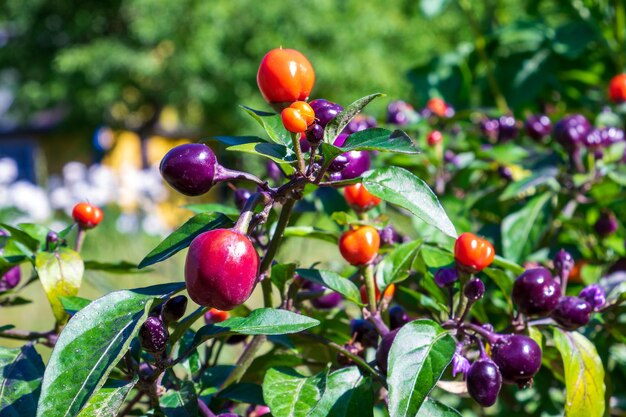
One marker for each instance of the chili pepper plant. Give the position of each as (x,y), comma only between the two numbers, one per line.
(422,315)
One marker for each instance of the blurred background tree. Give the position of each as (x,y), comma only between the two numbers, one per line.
(185,65)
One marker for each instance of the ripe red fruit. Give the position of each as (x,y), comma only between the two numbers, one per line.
(285,76)
(435,137)
(221,269)
(86,215)
(215,316)
(306,111)
(359,198)
(359,246)
(617,88)
(438,106)
(473,253)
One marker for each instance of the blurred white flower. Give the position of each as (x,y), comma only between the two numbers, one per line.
(31,200)
(8,170)
(74,172)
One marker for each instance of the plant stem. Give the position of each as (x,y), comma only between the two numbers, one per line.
(46,338)
(131,404)
(80,239)
(245,360)
(272,249)
(356,359)
(295,140)
(370,285)
(247,212)
(204,409)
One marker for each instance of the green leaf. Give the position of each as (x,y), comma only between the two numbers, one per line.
(238,140)
(311,233)
(122,267)
(584,375)
(433,408)
(502,280)
(272,124)
(180,403)
(334,282)
(289,394)
(21,237)
(20,381)
(182,237)
(400,187)
(527,185)
(262,321)
(522,230)
(91,345)
(244,392)
(281,274)
(336,126)
(186,323)
(347,394)
(212,208)
(108,400)
(73,304)
(420,353)
(376,139)
(396,265)
(191,363)
(61,274)
(277,153)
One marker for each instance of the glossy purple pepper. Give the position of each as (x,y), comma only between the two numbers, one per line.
(538,126)
(536,292)
(572,312)
(484,382)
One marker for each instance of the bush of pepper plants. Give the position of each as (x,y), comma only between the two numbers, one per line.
(482,272)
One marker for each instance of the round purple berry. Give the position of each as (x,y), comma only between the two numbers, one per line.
(339,163)
(610,135)
(474,289)
(507,128)
(538,126)
(594,295)
(572,312)
(174,309)
(446,277)
(490,128)
(388,235)
(325,111)
(484,382)
(505,173)
(518,357)
(190,168)
(358,163)
(364,332)
(606,224)
(335,176)
(536,292)
(382,353)
(571,130)
(153,335)
(401,113)
(563,263)
(360,122)
(10,279)
(398,317)
(315,134)
(273,171)
(324,302)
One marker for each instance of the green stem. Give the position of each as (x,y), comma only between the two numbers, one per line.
(295,140)
(620,28)
(370,285)
(356,359)
(481,43)
(245,360)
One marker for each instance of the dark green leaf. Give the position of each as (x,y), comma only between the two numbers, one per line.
(73,304)
(522,230)
(272,124)
(334,282)
(191,363)
(91,345)
(311,233)
(185,324)
(396,265)
(244,392)
(420,353)
(106,402)
(22,237)
(183,236)
(239,140)
(289,394)
(399,186)
(502,280)
(376,139)
(262,321)
(336,126)
(433,408)
(122,267)
(20,381)
(281,274)
(180,403)
(584,375)
(347,394)
(213,208)
(277,153)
